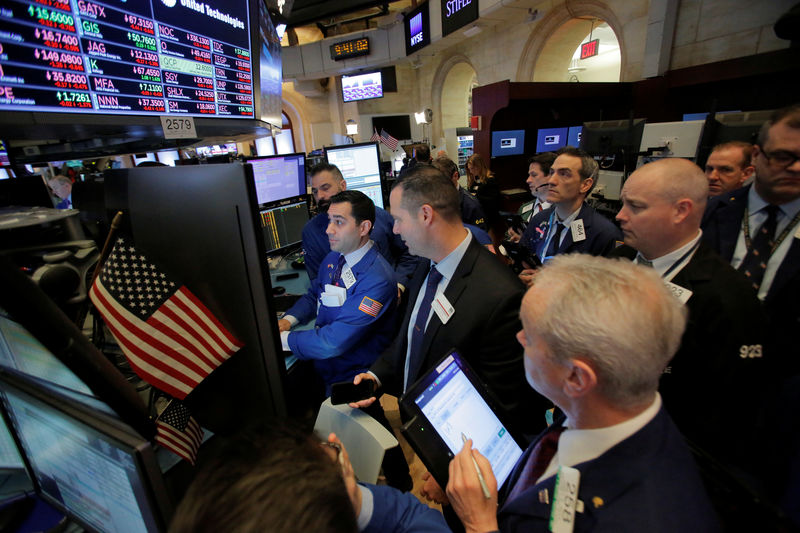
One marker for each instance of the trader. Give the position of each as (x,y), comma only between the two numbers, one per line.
(569,225)
(471,210)
(326,181)
(729,167)
(352,297)
(618,453)
(716,380)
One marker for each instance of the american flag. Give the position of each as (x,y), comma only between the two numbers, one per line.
(388,140)
(370,306)
(171,340)
(178,432)
(375,137)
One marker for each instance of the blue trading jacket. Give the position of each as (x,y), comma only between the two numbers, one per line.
(347,339)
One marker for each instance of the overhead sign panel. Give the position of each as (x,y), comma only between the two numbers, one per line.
(457,14)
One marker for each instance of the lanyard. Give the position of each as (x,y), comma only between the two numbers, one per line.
(550,234)
(748,242)
(680,261)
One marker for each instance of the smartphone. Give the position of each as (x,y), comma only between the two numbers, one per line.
(346,392)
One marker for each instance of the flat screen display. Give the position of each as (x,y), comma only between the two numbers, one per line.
(510,142)
(279,177)
(283,223)
(91,474)
(551,139)
(151,57)
(574,136)
(362,87)
(360,167)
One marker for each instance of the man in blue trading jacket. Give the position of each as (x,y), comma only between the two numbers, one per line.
(618,458)
(326,181)
(352,297)
(569,225)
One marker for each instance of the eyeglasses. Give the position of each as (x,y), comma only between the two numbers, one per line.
(781,158)
(338,449)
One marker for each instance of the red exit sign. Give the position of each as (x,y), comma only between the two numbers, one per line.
(590,49)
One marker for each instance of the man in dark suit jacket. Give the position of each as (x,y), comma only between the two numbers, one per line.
(776,157)
(617,454)
(569,225)
(713,386)
(476,305)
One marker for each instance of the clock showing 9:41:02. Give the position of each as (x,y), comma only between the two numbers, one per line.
(351,48)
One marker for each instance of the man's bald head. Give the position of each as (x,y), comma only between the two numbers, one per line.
(674,178)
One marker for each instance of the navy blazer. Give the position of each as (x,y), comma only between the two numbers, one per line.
(601,234)
(721,224)
(647,482)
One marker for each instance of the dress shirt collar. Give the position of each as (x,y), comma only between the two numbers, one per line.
(447,266)
(353,258)
(662,264)
(580,445)
(570,219)
(755,204)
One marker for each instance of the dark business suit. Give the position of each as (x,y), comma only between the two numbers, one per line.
(601,234)
(713,386)
(721,225)
(486,297)
(647,482)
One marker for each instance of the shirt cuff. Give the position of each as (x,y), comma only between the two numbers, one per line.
(285,341)
(374,376)
(292,320)
(367,507)
(401,287)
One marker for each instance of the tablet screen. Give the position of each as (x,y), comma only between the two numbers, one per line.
(454,406)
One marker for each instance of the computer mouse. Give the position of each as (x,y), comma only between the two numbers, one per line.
(277,290)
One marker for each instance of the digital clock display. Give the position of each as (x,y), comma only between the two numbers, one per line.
(351,48)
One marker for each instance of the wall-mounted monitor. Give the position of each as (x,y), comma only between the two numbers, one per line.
(417,24)
(511,142)
(279,176)
(574,136)
(551,139)
(216,149)
(143,58)
(362,86)
(283,223)
(360,167)
(270,72)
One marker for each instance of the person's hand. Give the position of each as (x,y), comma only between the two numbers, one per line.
(477,513)
(348,474)
(369,401)
(526,276)
(513,236)
(284,325)
(432,491)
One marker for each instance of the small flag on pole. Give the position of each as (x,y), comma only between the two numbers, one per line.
(375,137)
(388,140)
(171,340)
(178,432)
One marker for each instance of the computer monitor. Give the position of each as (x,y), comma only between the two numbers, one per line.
(672,139)
(551,139)
(360,166)
(279,177)
(283,222)
(510,142)
(574,135)
(100,473)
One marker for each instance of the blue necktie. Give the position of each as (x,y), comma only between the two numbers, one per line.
(337,274)
(424,311)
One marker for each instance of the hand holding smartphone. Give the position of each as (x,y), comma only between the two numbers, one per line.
(347,392)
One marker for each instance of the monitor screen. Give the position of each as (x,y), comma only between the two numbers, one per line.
(508,143)
(362,87)
(147,57)
(551,139)
(169,157)
(4,161)
(360,166)
(279,176)
(216,149)
(96,472)
(283,223)
(574,136)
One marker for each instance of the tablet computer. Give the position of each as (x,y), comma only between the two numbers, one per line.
(444,403)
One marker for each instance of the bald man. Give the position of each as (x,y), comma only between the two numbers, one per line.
(712,386)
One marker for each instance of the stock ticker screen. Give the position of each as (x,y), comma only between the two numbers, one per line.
(174,57)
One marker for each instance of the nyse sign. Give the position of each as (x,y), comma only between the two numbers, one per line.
(417,28)
(458,13)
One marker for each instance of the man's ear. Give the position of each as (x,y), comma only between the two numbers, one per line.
(364,227)
(586,185)
(426,211)
(581,380)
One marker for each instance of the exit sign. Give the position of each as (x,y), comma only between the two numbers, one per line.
(590,49)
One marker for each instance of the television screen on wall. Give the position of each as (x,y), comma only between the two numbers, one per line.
(362,86)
